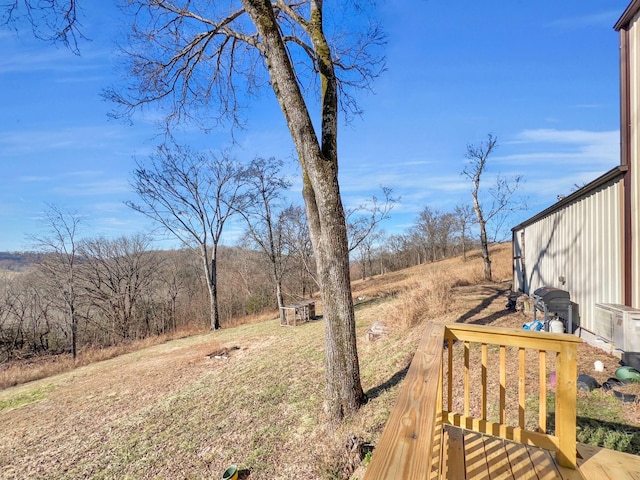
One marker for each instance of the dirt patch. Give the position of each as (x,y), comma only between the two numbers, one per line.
(221,354)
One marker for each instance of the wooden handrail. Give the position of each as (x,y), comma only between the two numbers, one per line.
(411,428)
(410,441)
(565,347)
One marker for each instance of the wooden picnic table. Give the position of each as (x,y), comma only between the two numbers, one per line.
(297,313)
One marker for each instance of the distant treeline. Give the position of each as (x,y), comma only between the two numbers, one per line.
(18,261)
(119,290)
(131,294)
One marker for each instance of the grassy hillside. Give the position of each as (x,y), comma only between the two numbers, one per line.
(250,395)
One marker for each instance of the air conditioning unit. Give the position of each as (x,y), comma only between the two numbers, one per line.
(604,320)
(618,324)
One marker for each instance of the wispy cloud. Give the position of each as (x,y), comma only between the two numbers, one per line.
(64,176)
(21,142)
(110,186)
(583,147)
(59,60)
(566,136)
(582,21)
(555,162)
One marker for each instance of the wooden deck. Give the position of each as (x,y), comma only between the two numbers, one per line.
(604,464)
(427,438)
(468,455)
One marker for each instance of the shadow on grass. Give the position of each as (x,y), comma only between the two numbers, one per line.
(397,377)
(481,307)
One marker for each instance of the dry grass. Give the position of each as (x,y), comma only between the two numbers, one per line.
(37,367)
(429,298)
(34,368)
(173,410)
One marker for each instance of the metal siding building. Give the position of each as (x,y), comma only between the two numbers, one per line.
(575,246)
(589,242)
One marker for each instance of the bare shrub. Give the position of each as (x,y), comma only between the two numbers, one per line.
(501,264)
(426,299)
(475,274)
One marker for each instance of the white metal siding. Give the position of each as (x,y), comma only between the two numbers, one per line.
(582,243)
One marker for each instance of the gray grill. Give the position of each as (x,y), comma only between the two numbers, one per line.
(553,300)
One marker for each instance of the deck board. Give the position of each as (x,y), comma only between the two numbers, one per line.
(544,464)
(410,431)
(604,464)
(467,455)
(473,456)
(520,462)
(476,461)
(497,459)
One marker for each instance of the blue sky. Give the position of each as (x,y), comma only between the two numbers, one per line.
(541,76)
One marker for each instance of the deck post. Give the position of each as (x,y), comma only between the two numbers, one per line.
(566,405)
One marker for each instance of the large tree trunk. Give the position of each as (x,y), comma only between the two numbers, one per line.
(280,298)
(329,237)
(74,334)
(484,241)
(213,289)
(325,212)
(486,260)
(210,268)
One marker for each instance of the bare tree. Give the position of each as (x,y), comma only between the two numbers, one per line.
(266,186)
(12,319)
(116,275)
(364,249)
(500,196)
(400,248)
(464,220)
(188,54)
(364,219)
(425,231)
(38,309)
(192,196)
(172,282)
(300,249)
(444,234)
(60,265)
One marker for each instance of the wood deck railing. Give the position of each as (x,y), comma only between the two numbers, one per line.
(441,387)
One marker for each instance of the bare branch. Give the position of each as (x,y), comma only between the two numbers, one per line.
(364,219)
(54,21)
(184,60)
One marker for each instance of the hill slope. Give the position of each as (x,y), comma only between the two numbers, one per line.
(251,395)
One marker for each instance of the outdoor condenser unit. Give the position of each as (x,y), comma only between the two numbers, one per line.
(618,324)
